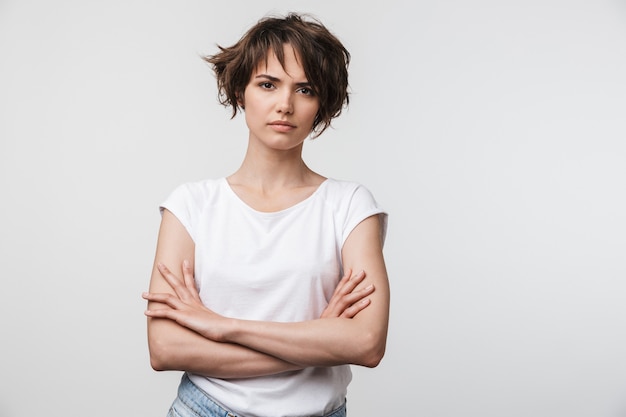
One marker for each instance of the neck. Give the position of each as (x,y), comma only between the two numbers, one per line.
(271,169)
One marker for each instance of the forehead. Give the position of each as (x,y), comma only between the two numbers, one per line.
(291,64)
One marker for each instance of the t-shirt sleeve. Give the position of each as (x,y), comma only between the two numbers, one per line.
(361,206)
(180,204)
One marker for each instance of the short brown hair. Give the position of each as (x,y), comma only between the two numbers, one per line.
(324,59)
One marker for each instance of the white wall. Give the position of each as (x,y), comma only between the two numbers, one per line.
(493,132)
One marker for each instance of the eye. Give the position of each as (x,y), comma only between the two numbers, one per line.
(266,85)
(307,91)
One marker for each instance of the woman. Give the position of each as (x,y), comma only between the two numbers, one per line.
(270,316)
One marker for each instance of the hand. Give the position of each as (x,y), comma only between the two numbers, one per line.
(346,302)
(185,306)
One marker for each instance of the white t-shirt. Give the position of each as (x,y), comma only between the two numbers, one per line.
(280,266)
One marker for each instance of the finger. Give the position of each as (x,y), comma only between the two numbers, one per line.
(345,294)
(184,318)
(339,288)
(164,298)
(162,313)
(351,283)
(169,276)
(346,277)
(348,304)
(352,298)
(356,279)
(190,282)
(342,282)
(347,285)
(355,308)
(176,283)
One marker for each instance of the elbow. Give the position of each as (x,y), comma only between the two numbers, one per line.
(164,345)
(160,354)
(373,358)
(373,351)
(157,358)
(157,363)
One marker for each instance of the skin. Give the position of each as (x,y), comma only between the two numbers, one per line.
(185,335)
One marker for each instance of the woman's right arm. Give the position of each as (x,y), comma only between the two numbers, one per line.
(174,347)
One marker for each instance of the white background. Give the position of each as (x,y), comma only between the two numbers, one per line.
(493,132)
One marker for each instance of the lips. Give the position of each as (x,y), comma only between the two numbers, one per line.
(281,123)
(281,126)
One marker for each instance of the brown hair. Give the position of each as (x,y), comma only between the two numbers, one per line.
(323,57)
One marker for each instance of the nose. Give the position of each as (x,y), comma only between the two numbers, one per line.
(285,103)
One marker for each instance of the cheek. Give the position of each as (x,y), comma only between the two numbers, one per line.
(315,106)
(252,107)
(312,111)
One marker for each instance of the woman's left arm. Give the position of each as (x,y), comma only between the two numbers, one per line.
(359,340)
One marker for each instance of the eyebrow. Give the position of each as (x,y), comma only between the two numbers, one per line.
(275,80)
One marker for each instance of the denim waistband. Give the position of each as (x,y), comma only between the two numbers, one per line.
(194,402)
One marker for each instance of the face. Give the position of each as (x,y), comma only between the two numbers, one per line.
(280,105)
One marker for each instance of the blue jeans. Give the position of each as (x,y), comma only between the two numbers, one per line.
(193,402)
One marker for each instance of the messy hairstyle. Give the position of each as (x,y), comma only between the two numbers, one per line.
(323,57)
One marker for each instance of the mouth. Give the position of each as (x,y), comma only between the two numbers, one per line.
(281,126)
(281,123)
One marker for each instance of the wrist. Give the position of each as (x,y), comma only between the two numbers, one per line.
(232,330)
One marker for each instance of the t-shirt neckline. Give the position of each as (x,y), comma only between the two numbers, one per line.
(234,195)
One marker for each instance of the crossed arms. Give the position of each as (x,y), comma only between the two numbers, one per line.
(185,335)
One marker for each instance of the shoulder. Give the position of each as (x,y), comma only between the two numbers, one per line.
(190,198)
(196,192)
(199,187)
(340,188)
(352,202)
(342,192)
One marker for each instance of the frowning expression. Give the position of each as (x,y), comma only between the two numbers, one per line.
(280,104)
